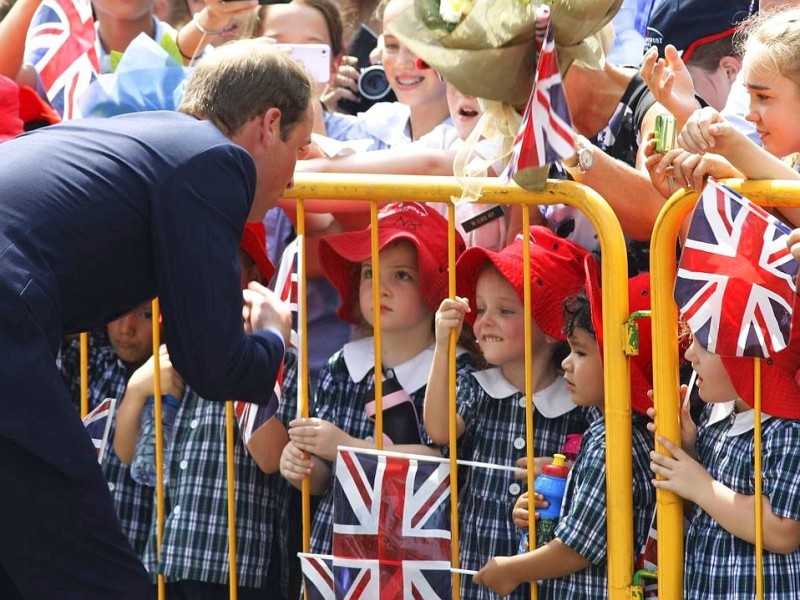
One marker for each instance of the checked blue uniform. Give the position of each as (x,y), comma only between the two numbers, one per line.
(718,564)
(584,518)
(345,385)
(494,414)
(108,378)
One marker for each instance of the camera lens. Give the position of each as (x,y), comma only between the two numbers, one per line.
(372,83)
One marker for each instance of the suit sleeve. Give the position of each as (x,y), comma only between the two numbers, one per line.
(197,220)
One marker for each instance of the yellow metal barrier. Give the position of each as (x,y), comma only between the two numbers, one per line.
(665,368)
(381,189)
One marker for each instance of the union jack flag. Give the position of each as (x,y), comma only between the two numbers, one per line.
(736,277)
(390,528)
(317,576)
(61,47)
(98,424)
(252,416)
(546,133)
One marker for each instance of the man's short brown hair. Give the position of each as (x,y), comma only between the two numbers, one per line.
(242,80)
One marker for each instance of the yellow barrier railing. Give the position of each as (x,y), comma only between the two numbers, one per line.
(313,190)
(665,369)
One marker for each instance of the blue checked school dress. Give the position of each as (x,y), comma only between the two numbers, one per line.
(494,414)
(584,519)
(718,564)
(108,378)
(346,386)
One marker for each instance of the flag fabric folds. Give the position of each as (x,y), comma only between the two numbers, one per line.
(736,277)
(98,425)
(391,535)
(61,46)
(546,133)
(317,576)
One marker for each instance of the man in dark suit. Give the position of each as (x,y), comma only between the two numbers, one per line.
(97,216)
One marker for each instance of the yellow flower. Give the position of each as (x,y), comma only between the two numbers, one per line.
(453,11)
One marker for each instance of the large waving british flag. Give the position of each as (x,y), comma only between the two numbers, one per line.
(736,277)
(61,47)
(391,538)
(546,133)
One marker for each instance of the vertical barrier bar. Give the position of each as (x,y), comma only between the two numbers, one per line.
(159,442)
(231,498)
(758,502)
(84,367)
(376,319)
(528,326)
(452,430)
(666,385)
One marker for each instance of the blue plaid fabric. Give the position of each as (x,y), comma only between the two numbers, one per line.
(495,433)
(195,543)
(340,400)
(583,521)
(718,564)
(108,378)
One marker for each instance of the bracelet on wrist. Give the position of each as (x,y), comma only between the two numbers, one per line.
(201,29)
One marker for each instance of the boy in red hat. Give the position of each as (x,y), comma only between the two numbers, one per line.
(573,565)
(714,471)
(413,273)
(491,403)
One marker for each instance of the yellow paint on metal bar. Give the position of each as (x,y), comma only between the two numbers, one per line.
(156,324)
(376,320)
(231,498)
(758,504)
(452,429)
(84,370)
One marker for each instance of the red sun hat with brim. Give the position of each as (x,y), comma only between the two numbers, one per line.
(638,299)
(780,390)
(11,124)
(35,109)
(254,243)
(341,255)
(556,274)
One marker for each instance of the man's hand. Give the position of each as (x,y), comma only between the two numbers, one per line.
(263,309)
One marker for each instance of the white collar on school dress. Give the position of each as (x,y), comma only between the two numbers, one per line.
(742,421)
(552,402)
(359,356)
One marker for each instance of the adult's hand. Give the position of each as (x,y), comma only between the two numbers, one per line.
(264,309)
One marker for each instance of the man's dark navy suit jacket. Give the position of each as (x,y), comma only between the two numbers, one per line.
(99,215)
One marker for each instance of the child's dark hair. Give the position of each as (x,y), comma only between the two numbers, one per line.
(578,315)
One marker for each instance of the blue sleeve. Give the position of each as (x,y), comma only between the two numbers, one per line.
(781,461)
(197,220)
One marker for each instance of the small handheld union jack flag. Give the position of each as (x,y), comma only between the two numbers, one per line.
(317,576)
(61,47)
(98,425)
(546,133)
(736,277)
(391,536)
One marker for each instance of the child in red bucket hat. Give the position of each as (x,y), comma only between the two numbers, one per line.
(715,471)
(574,565)
(412,239)
(491,403)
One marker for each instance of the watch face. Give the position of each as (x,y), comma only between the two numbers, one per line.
(585,158)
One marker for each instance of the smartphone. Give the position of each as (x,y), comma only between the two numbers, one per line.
(316,58)
(664,132)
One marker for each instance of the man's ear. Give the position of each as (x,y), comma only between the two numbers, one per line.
(271,125)
(731,66)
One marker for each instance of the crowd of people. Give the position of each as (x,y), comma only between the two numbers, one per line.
(99,216)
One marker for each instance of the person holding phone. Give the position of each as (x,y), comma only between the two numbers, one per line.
(97,216)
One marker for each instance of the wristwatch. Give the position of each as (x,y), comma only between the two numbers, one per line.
(584,156)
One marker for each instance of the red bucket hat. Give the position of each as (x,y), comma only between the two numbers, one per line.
(638,299)
(556,274)
(254,244)
(10,123)
(341,255)
(780,389)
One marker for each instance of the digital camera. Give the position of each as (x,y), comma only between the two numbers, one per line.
(372,83)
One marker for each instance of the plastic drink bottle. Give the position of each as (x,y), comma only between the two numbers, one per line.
(143,467)
(551,484)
